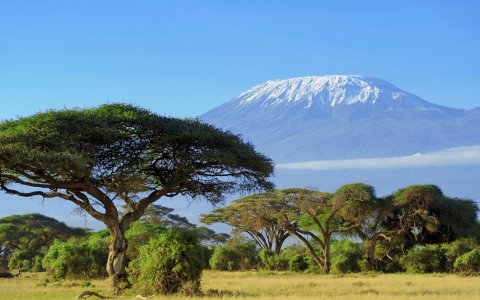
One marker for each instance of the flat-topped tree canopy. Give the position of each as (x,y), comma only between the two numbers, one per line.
(262,216)
(119,152)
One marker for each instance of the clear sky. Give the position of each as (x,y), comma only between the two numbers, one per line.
(183,58)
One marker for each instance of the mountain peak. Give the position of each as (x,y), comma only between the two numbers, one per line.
(324,91)
(342,116)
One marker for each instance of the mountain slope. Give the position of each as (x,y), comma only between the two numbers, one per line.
(342,116)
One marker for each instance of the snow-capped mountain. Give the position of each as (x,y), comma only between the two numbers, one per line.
(342,116)
(321,91)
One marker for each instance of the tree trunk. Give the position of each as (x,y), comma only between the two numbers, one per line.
(369,246)
(278,248)
(326,254)
(117,260)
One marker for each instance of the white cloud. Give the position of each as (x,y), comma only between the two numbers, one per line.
(447,157)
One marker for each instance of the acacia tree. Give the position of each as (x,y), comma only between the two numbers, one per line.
(313,223)
(102,157)
(320,216)
(259,215)
(362,215)
(417,214)
(311,216)
(423,214)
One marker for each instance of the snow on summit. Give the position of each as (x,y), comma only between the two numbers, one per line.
(332,90)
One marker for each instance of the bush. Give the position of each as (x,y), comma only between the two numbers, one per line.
(224,259)
(20,259)
(237,254)
(246,250)
(75,259)
(169,263)
(297,263)
(138,235)
(425,259)
(37,264)
(456,249)
(468,262)
(272,261)
(346,256)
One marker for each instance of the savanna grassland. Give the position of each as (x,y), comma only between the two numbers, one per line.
(272,285)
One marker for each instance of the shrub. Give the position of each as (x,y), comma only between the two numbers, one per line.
(468,262)
(20,259)
(75,259)
(37,264)
(346,256)
(169,263)
(425,259)
(237,254)
(138,235)
(272,261)
(247,252)
(224,259)
(456,249)
(297,263)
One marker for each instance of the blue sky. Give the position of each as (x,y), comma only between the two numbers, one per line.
(183,58)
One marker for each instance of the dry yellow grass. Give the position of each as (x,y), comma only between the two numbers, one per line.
(282,286)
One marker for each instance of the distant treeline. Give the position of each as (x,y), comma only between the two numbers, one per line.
(415,229)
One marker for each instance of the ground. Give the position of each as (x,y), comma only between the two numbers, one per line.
(272,285)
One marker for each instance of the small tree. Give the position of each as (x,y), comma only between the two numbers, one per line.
(121,154)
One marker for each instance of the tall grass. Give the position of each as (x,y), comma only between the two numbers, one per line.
(272,285)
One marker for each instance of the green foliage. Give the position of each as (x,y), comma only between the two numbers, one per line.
(424,259)
(273,261)
(468,262)
(24,238)
(247,251)
(224,259)
(99,239)
(412,216)
(75,259)
(237,254)
(94,156)
(37,264)
(138,235)
(20,259)
(456,249)
(113,146)
(346,256)
(297,263)
(260,215)
(356,202)
(170,263)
